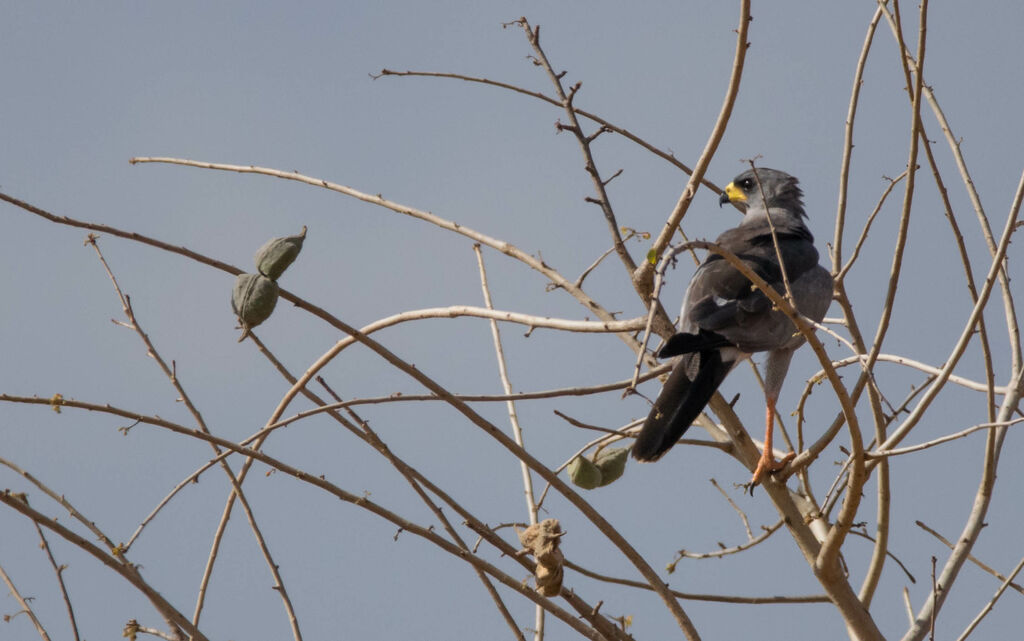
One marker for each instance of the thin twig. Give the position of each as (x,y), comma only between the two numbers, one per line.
(566,100)
(585,610)
(602,524)
(992,602)
(970,557)
(410,475)
(844,171)
(499,245)
(942,439)
(787,290)
(25,607)
(855,482)
(593,265)
(183,396)
(513,417)
(908,64)
(128,571)
(888,553)
(58,570)
(61,499)
(605,124)
(934,610)
(645,272)
(972,192)
(767,531)
(968,332)
(866,379)
(359,500)
(931,370)
(652,311)
(529,320)
(622,431)
(690,596)
(743,515)
(468,398)
(907,605)
(841,275)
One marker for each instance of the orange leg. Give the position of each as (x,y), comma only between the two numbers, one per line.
(767,464)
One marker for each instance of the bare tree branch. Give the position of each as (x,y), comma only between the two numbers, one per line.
(127,571)
(499,245)
(643,277)
(973,559)
(690,596)
(604,124)
(992,602)
(25,607)
(513,417)
(566,100)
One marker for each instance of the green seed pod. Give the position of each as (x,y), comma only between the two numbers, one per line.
(253,299)
(278,253)
(583,473)
(611,463)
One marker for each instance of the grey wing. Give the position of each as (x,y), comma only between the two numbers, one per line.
(721,300)
(772,329)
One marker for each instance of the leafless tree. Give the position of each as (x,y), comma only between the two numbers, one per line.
(872,430)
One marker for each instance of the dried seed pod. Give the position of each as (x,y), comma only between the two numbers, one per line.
(549,579)
(583,473)
(253,299)
(278,253)
(541,540)
(611,463)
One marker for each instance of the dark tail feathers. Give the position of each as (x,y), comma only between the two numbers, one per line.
(680,402)
(684,343)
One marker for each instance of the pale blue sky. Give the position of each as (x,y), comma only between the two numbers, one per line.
(88,86)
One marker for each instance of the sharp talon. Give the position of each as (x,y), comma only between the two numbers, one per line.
(767,465)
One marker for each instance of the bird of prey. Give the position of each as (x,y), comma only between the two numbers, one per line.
(725,319)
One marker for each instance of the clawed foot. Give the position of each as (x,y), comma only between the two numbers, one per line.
(768,465)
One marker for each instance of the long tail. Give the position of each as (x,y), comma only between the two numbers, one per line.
(680,402)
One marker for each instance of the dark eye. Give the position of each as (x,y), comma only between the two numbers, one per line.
(746,183)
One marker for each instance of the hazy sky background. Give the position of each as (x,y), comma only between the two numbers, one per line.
(86,86)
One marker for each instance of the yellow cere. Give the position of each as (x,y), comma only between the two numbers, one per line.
(734,193)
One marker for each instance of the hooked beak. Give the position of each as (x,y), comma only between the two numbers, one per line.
(732,194)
